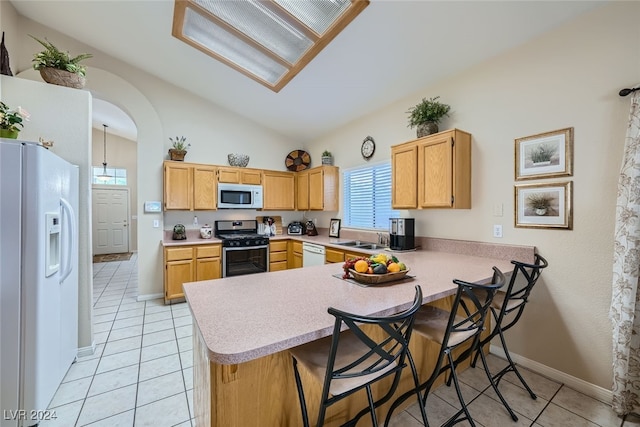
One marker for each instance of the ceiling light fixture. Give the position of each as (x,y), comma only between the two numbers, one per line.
(104,176)
(270,41)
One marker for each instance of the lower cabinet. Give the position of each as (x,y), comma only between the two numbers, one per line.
(336,255)
(278,255)
(185,264)
(295,250)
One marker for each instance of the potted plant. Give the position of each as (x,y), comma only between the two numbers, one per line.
(58,67)
(327,158)
(179,148)
(11,121)
(426,115)
(539,202)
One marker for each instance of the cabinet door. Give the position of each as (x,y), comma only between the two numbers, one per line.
(316,189)
(435,172)
(208,269)
(251,176)
(404,176)
(278,190)
(229,175)
(333,255)
(296,261)
(353,255)
(178,186)
(302,191)
(204,187)
(177,273)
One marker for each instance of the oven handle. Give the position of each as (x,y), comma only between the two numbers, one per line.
(244,248)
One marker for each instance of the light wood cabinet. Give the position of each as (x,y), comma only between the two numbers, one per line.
(332,255)
(440,176)
(233,175)
(295,251)
(278,190)
(189,186)
(185,264)
(317,189)
(278,255)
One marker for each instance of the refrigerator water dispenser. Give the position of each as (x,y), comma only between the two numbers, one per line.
(52,246)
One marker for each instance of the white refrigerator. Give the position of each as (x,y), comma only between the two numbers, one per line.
(38,278)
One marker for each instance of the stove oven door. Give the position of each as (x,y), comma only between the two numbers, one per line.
(247,260)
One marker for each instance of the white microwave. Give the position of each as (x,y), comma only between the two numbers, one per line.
(239,196)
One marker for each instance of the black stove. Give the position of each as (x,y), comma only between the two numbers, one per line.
(243,233)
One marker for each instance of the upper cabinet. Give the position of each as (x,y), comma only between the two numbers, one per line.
(189,186)
(278,190)
(234,175)
(317,189)
(433,172)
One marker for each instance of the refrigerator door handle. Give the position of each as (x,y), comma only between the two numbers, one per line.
(69,216)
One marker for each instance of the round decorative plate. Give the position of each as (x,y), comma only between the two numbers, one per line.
(297,160)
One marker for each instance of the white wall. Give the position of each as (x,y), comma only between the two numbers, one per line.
(569,77)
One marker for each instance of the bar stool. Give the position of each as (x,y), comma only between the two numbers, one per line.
(354,359)
(510,303)
(452,329)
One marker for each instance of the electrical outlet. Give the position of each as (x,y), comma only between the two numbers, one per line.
(497,230)
(156,223)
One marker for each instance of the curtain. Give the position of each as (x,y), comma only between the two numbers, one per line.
(625,306)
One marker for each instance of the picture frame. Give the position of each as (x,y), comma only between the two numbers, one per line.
(545,155)
(334,227)
(546,205)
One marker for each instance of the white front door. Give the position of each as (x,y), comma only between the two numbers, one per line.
(110,220)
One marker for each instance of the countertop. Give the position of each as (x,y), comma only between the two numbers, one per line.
(246,317)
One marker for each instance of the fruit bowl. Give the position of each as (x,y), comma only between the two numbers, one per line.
(377,278)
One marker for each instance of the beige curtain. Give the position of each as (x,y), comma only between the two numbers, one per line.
(625,307)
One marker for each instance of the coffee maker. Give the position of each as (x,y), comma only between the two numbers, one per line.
(402,233)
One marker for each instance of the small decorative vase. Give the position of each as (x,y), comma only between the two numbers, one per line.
(177,154)
(541,211)
(206,231)
(427,128)
(8,133)
(62,77)
(327,160)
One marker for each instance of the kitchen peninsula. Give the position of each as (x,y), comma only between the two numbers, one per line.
(244,325)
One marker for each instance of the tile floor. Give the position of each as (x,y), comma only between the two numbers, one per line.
(141,374)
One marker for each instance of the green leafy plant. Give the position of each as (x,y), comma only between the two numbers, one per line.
(12,119)
(52,57)
(326,153)
(180,143)
(428,110)
(539,200)
(543,153)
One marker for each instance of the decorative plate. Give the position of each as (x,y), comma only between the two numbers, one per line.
(297,160)
(377,278)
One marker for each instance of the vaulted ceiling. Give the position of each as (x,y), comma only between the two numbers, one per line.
(392,49)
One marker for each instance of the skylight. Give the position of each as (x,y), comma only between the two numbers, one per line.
(270,41)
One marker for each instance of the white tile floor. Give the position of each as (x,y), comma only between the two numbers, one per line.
(141,374)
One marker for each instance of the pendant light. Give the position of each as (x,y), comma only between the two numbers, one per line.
(104,176)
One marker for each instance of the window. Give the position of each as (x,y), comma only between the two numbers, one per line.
(116,176)
(269,41)
(367,196)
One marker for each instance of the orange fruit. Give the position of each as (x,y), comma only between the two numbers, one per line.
(393,267)
(361,266)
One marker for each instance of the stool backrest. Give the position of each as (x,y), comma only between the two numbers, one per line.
(384,349)
(515,297)
(475,300)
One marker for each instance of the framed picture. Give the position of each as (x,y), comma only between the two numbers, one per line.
(546,155)
(544,205)
(334,227)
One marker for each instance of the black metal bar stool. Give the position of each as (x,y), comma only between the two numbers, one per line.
(353,360)
(507,308)
(453,329)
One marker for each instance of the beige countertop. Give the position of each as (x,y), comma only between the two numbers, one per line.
(246,317)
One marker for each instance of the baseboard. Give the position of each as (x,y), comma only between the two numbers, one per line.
(87,351)
(577,384)
(148,297)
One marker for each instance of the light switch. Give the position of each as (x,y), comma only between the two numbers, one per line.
(497,209)
(156,223)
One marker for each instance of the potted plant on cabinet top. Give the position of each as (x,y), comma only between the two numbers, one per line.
(58,67)
(179,148)
(11,121)
(426,115)
(327,158)
(539,202)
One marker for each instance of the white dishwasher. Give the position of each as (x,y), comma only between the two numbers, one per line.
(312,254)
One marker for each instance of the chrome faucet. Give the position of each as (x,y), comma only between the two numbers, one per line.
(383,239)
